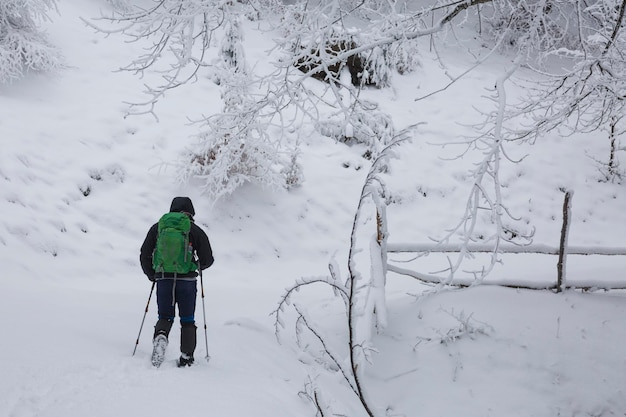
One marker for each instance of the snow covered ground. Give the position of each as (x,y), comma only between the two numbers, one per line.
(80,185)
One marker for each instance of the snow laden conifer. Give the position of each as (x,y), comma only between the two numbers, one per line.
(231,50)
(23,45)
(236,147)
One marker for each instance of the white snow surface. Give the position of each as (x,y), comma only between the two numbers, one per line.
(73,294)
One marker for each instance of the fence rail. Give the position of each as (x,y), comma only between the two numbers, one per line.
(482,248)
(562,251)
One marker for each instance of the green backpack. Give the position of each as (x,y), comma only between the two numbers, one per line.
(173,252)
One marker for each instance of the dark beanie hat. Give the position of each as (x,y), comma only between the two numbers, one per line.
(182,204)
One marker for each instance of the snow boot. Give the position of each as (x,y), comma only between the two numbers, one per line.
(188,339)
(163,326)
(158,353)
(185,360)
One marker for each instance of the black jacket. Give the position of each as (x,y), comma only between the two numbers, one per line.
(198,239)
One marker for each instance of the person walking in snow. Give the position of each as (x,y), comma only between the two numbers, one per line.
(173,252)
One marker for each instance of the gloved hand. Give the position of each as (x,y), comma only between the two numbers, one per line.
(151,278)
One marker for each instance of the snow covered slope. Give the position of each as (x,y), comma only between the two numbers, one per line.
(80,185)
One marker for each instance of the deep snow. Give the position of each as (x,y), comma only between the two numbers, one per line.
(81,185)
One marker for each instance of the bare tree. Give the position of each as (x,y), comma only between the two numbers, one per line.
(485,200)
(589,93)
(179,35)
(358,299)
(318,42)
(586,96)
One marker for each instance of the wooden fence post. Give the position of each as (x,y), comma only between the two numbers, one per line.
(560,266)
(381,237)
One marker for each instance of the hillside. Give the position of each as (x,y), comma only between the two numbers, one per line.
(81,184)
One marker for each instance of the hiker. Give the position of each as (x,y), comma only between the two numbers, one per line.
(171,254)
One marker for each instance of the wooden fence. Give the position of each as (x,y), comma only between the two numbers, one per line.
(562,251)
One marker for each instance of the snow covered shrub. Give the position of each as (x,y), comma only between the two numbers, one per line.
(120,5)
(23,47)
(371,67)
(467,327)
(326,58)
(231,154)
(325,63)
(292,172)
(237,147)
(366,125)
(376,70)
(380,61)
(403,56)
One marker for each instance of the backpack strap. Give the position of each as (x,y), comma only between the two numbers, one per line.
(174,290)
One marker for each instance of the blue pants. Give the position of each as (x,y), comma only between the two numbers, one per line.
(184,294)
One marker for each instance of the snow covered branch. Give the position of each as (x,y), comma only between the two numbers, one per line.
(587,94)
(485,174)
(364,302)
(286,298)
(23,46)
(180,32)
(463,282)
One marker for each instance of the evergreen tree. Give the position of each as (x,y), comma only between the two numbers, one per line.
(23,46)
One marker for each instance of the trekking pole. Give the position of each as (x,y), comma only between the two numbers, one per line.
(206,340)
(144,317)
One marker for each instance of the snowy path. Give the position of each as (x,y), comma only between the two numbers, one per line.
(69,354)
